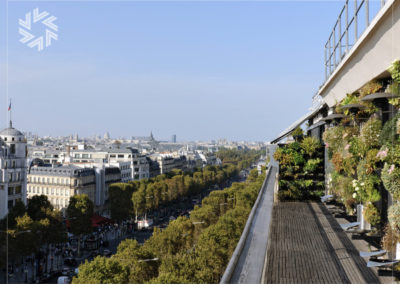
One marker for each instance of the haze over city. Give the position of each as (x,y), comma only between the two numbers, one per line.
(202,70)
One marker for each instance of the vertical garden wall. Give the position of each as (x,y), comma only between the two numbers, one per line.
(301,168)
(364,149)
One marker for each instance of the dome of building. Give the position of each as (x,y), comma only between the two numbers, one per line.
(11,132)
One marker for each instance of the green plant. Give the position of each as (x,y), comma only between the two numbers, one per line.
(349,99)
(389,239)
(393,155)
(370,132)
(372,214)
(371,87)
(312,165)
(337,161)
(394,217)
(297,133)
(310,145)
(389,133)
(391,179)
(394,71)
(357,147)
(333,138)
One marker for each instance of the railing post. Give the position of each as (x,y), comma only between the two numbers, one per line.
(326,65)
(355,21)
(330,57)
(334,46)
(382,3)
(347,26)
(366,13)
(340,38)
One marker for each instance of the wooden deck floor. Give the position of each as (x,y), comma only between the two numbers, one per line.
(306,245)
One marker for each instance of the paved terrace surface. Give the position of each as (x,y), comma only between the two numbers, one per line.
(250,264)
(307,245)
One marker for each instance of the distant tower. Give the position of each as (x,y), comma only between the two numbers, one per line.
(173,138)
(107,135)
(153,142)
(13,152)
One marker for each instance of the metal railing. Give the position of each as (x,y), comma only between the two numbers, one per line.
(347,31)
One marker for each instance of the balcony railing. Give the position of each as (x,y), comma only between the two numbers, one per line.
(353,20)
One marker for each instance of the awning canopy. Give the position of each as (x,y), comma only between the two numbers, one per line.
(319,123)
(297,123)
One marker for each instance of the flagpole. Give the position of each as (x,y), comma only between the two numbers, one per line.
(10,110)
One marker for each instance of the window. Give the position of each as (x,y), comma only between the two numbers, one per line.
(12,149)
(10,204)
(77,156)
(52,191)
(10,190)
(18,189)
(85,156)
(120,156)
(13,164)
(10,177)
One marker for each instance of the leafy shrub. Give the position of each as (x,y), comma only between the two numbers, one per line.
(391,179)
(337,161)
(333,138)
(394,217)
(393,155)
(372,214)
(312,165)
(394,71)
(357,147)
(371,87)
(349,99)
(310,145)
(390,239)
(389,133)
(297,133)
(370,132)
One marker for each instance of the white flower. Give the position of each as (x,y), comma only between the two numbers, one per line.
(357,188)
(354,195)
(362,184)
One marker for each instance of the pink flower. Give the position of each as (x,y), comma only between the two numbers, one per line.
(391,169)
(382,154)
(347,147)
(326,145)
(344,135)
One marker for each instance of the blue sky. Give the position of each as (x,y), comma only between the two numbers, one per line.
(200,70)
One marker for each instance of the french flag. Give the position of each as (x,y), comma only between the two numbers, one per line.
(9,107)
